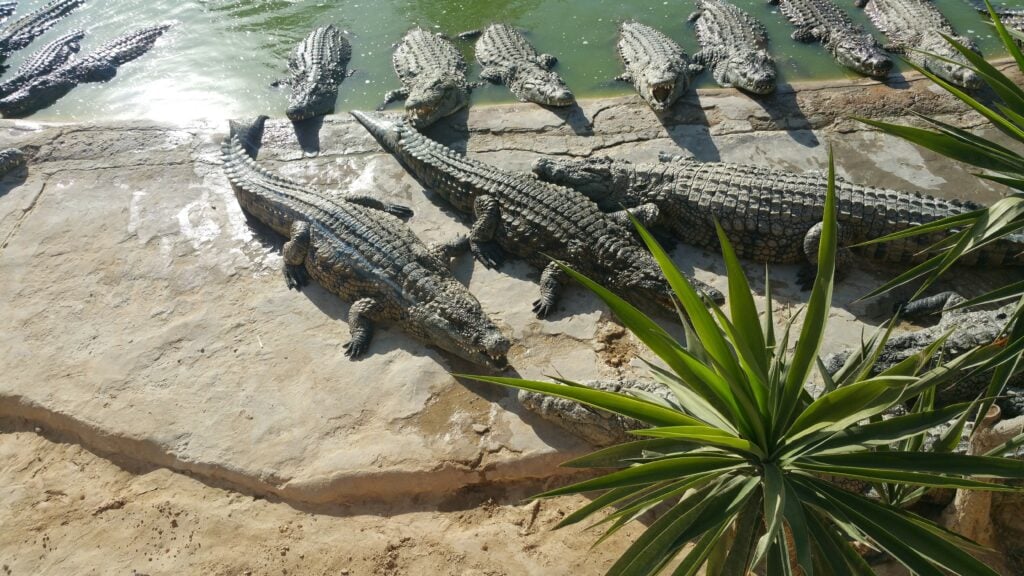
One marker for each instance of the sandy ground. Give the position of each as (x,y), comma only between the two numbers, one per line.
(69,511)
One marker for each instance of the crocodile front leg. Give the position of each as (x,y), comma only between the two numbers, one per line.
(547,61)
(447,251)
(481,238)
(294,251)
(394,96)
(551,280)
(647,214)
(360,326)
(812,240)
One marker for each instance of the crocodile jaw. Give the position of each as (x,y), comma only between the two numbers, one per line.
(753,72)
(863,55)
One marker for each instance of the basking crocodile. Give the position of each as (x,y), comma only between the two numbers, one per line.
(532,220)
(98,66)
(967,329)
(770,215)
(656,66)
(317,66)
(433,76)
(823,21)
(507,58)
(915,29)
(734,46)
(355,247)
(48,59)
(23,31)
(11,159)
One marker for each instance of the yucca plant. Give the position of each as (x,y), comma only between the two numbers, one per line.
(971,231)
(739,453)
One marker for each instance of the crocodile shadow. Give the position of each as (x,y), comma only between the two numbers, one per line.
(574,117)
(13,179)
(307,132)
(688,126)
(784,113)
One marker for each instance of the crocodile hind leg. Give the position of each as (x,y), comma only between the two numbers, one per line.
(647,214)
(930,305)
(481,238)
(812,240)
(447,251)
(294,251)
(360,326)
(551,280)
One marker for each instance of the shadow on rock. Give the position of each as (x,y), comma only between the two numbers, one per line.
(784,113)
(307,132)
(13,179)
(688,126)
(574,117)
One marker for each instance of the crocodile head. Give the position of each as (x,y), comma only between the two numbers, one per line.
(534,84)
(661,85)
(454,321)
(750,70)
(434,98)
(596,177)
(309,99)
(956,73)
(863,54)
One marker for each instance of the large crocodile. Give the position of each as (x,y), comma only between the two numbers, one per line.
(508,58)
(355,247)
(656,66)
(24,30)
(823,21)
(433,75)
(48,59)
(317,66)
(98,66)
(734,46)
(915,29)
(770,215)
(529,219)
(964,330)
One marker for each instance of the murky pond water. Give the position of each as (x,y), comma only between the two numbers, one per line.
(222,55)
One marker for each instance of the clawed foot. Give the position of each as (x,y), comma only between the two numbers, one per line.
(542,307)
(295,277)
(355,349)
(487,253)
(805,277)
(403,212)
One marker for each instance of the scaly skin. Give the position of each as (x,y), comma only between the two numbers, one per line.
(317,67)
(823,21)
(529,219)
(507,58)
(356,248)
(44,62)
(433,76)
(914,29)
(7,9)
(655,65)
(10,160)
(98,66)
(770,215)
(1010,17)
(734,46)
(23,31)
(967,330)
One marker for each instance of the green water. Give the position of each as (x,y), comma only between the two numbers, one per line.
(221,56)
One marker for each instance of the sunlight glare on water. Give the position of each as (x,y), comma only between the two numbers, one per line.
(221,56)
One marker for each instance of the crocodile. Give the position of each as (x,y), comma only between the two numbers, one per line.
(7,9)
(823,21)
(48,59)
(508,58)
(657,67)
(915,29)
(10,160)
(539,222)
(21,32)
(734,46)
(99,65)
(433,76)
(770,215)
(1010,17)
(317,66)
(967,329)
(357,248)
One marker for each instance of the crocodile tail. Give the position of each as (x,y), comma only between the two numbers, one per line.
(250,134)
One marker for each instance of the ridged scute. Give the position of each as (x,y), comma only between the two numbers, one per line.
(823,21)
(766,212)
(734,46)
(359,252)
(507,57)
(914,28)
(658,67)
(48,59)
(23,31)
(99,65)
(317,66)
(433,74)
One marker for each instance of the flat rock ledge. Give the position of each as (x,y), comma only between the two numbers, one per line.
(147,319)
